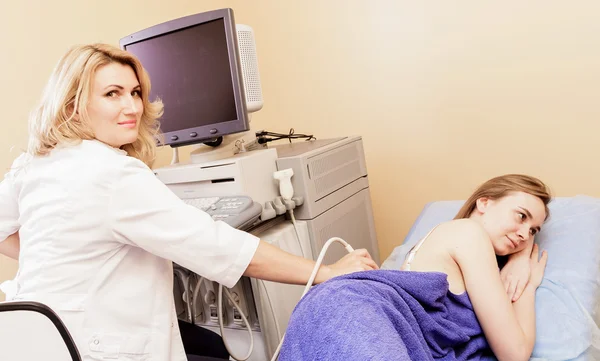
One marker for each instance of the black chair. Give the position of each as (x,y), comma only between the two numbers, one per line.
(31,331)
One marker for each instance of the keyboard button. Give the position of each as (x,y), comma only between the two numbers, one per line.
(235,211)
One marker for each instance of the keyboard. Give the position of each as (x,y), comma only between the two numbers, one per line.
(238,211)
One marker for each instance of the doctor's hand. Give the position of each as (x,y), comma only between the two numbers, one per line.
(270,263)
(355,261)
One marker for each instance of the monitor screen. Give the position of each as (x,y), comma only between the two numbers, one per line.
(194,69)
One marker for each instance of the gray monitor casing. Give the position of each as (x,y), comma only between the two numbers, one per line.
(209,132)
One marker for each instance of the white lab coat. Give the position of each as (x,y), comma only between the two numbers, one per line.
(98,234)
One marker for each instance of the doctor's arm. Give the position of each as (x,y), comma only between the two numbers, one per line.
(272,264)
(10,246)
(9,215)
(145,213)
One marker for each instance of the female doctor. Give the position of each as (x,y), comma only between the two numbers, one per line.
(96,232)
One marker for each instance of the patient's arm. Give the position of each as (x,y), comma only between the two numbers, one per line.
(522,306)
(509,332)
(515,274)
(10,246)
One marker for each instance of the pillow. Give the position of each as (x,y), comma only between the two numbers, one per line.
(567,300)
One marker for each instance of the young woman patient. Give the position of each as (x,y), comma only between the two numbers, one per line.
(448,301)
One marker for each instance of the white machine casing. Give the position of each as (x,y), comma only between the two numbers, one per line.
(331,176)
(249,174)
(282,297)
(264,303)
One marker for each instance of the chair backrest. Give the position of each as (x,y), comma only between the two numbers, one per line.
(31,331)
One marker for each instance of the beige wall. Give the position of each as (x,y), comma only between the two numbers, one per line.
(445,94)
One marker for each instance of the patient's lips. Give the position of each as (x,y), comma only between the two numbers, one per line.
(513,244)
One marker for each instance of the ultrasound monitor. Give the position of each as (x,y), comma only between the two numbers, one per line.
(194,68)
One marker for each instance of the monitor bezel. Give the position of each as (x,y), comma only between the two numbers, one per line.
(212,131)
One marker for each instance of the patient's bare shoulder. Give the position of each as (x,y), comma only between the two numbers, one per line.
(465,235)
(464,226)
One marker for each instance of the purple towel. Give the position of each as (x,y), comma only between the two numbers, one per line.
(384,315)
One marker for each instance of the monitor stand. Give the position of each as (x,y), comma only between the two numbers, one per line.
(231,145)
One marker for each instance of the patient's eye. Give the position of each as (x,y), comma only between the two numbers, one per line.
(522,216)
(533,231)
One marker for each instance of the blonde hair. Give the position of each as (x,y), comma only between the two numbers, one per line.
(501,186)
(67,93)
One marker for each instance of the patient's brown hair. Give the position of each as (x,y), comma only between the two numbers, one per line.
(501,186)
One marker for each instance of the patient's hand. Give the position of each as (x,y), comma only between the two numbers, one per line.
(515,274)
(538,265)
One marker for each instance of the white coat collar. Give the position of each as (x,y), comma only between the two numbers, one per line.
(116,150)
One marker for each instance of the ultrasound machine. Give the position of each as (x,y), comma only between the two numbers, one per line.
(204,68)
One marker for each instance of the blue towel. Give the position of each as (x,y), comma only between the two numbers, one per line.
(384,315)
